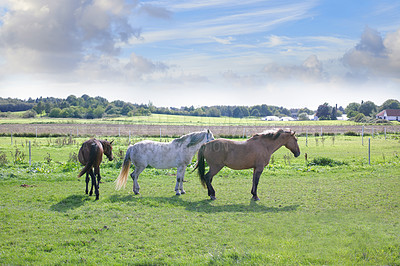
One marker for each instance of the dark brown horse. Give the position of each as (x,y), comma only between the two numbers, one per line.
(90,155)
(253,153)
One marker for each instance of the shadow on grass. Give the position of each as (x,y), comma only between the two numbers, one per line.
(69,203)
(206,206)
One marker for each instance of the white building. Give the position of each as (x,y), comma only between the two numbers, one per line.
(389,115)
(271,118)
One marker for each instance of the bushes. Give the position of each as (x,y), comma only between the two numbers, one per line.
(324,161)
(351,133)
(29,114)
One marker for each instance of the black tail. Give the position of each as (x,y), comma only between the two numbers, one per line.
(201,165)
(92,158)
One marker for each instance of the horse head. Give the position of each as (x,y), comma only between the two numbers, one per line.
(209,136)
(199,137)
(107,147)
(292,144)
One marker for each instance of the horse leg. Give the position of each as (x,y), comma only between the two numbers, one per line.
(91,176)
(87,182)
(96,190)
(135,175)
(98,178)
(256,177)
(180,174)
(209,177)
(97,183)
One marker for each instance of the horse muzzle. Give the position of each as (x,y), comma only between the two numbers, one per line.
(296,154)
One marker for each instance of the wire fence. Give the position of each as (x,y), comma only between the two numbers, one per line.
(369,145)
(178,130)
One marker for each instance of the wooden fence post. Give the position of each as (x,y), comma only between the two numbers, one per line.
(307,138)
(362,136)
(30,154)
(369,151)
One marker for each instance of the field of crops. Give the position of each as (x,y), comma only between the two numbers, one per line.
(337,207)
(174,126)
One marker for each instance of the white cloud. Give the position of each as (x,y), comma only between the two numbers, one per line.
(375,56)
(155,11)
(311,70)
(46,36)
(235,21)
(227,40)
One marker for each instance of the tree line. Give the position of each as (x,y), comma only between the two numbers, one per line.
(98,107)
(359,112)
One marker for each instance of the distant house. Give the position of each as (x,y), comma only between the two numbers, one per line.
(287,118)
(275,118)
(389,115)
(271,118)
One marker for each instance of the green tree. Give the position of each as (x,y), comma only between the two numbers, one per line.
(39,107)
(126,109)
(213,112)
(334,114)
(352,109)
(390,104)
(198,112)
(29,114)
(72,100)
(255,113)
(303,116)
(99,111)
(367,108)
(305,110)
(324,111)
(47,108)
(55,112)
(240,112)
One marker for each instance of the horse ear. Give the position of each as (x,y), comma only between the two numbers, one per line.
(111,141)
(208,131)
(293,132)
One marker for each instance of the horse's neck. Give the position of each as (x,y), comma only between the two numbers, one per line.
(274,145)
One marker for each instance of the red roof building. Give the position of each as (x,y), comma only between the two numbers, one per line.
(389,115)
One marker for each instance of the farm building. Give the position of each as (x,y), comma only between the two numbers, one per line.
(270,118)
(389,115)
(275,118)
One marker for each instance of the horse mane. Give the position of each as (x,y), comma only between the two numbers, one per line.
(271,134)
(195,138)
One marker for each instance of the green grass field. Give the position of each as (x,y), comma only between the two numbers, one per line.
(161,119)
(347,214)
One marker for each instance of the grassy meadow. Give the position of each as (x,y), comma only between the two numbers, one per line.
(335,208)
(162,119)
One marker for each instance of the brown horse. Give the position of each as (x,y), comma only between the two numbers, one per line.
(253,153)
(90,155)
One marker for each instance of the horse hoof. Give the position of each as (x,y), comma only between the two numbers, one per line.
(256,198)
(178,193)
(183,192)
(213,198)
(136,193)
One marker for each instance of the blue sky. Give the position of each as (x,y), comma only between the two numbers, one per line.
(183,53)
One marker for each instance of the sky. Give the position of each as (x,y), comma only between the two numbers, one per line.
(181,53)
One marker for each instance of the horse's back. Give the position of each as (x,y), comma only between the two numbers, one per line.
(86,149)
(153,153)
(233,154)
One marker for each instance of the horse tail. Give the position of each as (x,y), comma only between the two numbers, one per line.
(123,175)
(92,158)
(201,165)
